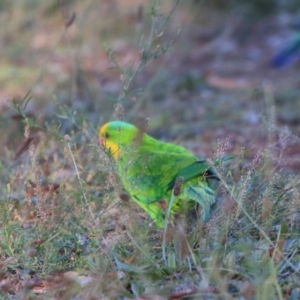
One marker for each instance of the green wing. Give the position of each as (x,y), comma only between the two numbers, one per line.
(199,168)
(196,169)
(147,173)
(148,176)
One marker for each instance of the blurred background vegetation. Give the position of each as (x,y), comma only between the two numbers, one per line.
(206,81)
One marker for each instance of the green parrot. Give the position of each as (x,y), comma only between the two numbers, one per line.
(151,171)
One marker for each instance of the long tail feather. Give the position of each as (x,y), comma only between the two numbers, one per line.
(204,196)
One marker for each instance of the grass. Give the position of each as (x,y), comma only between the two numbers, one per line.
(68,230)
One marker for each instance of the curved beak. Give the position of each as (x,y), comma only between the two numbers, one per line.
(102,142)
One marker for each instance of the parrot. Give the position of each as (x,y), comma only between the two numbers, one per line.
(151,171)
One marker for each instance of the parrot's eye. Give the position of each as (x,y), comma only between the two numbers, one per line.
(107,135)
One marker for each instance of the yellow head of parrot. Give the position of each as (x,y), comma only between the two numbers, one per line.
(108,144)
